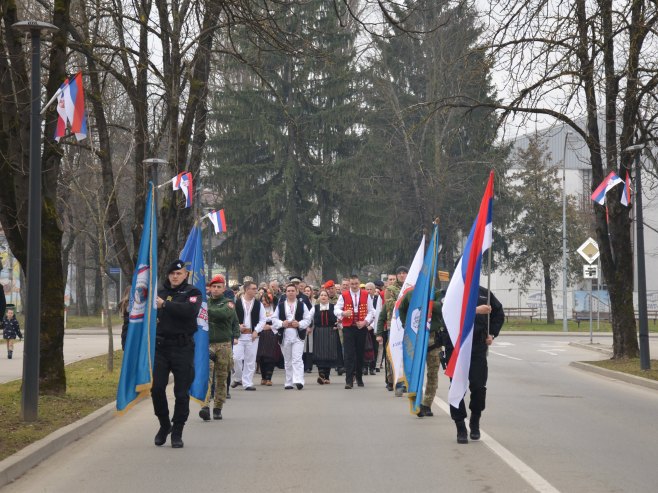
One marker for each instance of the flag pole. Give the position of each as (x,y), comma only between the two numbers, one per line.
(489,286)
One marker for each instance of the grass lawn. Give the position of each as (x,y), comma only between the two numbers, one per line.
(630,366)
(89,387)
(520,324)
(75,322)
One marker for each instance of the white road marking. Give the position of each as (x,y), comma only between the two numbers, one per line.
(504,355)
(521,468)
(551,352)
(503,343)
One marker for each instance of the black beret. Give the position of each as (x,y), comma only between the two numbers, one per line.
(402,268)
(175,265)
(379,283)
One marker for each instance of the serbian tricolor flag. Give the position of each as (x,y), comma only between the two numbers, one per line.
(626,194)
(183,181)
(74,106)
(218,220)
(462,297)
(610,181)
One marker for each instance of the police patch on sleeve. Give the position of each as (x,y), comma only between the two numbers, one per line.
(192,299)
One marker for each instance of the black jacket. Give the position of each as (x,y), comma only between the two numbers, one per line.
(178,316)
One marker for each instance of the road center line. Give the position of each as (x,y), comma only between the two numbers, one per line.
(521,468)
(505,355)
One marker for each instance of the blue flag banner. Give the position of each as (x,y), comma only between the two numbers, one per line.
(192,255)
(137,367)
(417,325)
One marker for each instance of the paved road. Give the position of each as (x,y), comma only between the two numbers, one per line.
(79,344)
(548,427)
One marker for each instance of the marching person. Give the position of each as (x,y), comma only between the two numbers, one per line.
(178,304)
(325,333)
(355,311)
(223,333)
(375,300)
(384,323)
(479,371)
(269,351)
(251,317)
(291,319)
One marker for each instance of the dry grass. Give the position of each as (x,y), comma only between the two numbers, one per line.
(89,387)
(629,366)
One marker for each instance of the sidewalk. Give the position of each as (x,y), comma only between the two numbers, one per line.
(78,344)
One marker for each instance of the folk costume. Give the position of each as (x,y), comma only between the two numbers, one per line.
(354,338)
(269,352)
(251,314)
(292,339)
(326,345)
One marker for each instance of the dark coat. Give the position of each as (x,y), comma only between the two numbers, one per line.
(178,316)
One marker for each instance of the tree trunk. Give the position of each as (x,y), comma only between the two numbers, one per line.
(106,300)
(80,277)
(548,288)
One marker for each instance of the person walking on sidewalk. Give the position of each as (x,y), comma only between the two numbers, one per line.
(223,333)
(10,331)
(178,305)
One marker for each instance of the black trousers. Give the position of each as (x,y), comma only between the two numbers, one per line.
(266,370)
(375,348)
(477,384)
(324,372)
(354,345)
(178,360)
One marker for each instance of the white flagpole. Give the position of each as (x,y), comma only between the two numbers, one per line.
(55,96)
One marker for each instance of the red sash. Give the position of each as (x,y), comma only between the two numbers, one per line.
(361,313)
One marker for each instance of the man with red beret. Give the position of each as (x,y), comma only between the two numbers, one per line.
(223,332)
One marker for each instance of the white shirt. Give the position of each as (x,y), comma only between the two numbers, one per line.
(338,309)
(248,307)
(378,309)
(290,332)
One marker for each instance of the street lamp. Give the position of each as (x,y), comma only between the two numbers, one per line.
(30,392)
(645,362)
(565,328)
(153,164)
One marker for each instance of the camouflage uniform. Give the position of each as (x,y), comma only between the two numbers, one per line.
(223,327)
(437,325)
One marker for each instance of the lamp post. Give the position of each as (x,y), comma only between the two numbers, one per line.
(565,327)
(645,362)
(30,392)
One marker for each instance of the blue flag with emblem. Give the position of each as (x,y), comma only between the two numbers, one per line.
(192,255)
(137,366)
(417,325)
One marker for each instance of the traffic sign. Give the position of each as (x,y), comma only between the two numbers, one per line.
(589,250)
(115,270)
(590,271)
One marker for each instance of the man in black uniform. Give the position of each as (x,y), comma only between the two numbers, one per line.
(488,307)
(178,306)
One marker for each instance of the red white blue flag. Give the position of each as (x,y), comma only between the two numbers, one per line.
(626,194)
(218,220)
(183,181)
(610,181)
(74,98)
(461,297)
(71,108)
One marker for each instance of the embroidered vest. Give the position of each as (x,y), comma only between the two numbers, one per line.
(255,312)
(362,310)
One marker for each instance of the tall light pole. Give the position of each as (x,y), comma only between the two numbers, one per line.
(30,392)
(645,361)
(565,327)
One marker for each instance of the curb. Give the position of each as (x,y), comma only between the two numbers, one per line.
(591,347)
(25,459)
(624,377)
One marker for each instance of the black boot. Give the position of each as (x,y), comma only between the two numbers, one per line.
(177,435)
(216,413)
(165,428)
(204,413)
(10,354)
(425,411)
(462,432)
(475,426)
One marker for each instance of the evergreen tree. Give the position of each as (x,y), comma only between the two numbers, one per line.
(432,162)
(535,238)
(285,130)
